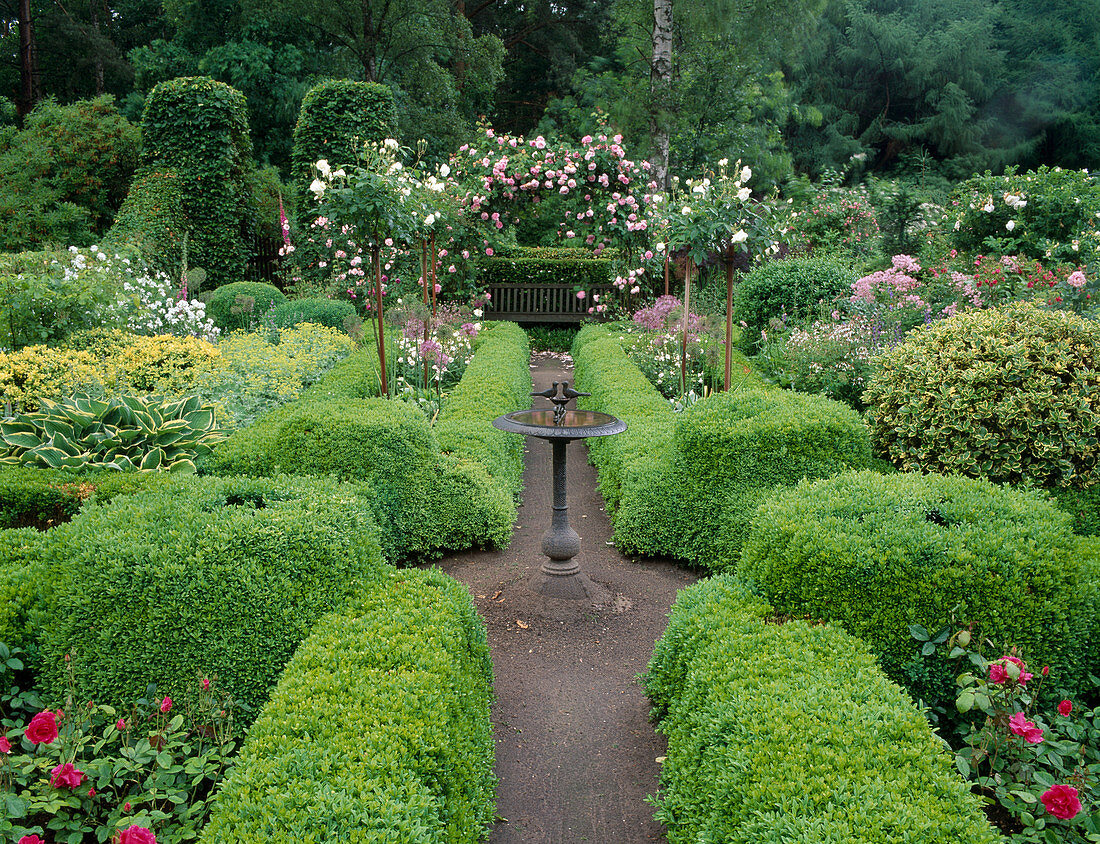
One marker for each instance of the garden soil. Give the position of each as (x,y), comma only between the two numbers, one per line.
(576,753)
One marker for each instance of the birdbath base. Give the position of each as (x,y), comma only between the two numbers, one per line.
(575,586)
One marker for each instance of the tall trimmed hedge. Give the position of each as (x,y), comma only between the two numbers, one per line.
(153,218)
(197,128)
(223,576)
(790,732)
(877,553)
(378,730)
(336,118)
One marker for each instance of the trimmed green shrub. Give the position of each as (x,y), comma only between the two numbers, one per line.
(199,127)
(878,553)
(223,576)
(378,730)
(497,381)
(336,118)
(243,304)
(454,492)
(790,732)
(42,498)
(793,288)
(686,485)
(153,218)
(1006,394)
(25,585)
(733,449)
(577,267)
(1083,505)
(330,312)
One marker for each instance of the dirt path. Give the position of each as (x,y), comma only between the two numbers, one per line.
(576,755)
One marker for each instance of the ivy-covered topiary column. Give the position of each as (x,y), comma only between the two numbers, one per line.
(337,116)
(196,129)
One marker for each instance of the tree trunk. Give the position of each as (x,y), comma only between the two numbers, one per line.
(29,93)
(660,89)
(729,316)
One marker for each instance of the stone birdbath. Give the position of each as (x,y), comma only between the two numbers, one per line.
(560,576)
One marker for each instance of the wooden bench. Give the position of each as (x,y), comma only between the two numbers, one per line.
(541,302)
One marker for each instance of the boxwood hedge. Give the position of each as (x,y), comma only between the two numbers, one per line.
(378,730)
(223,576)
(878,553)
(790,732)
(686,485)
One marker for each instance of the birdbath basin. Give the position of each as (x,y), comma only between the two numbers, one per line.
(560,576)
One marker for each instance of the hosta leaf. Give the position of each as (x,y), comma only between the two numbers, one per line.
(20,440)
(16,428)
(152,460)
(56,427)
(51,455)
(184,466)
(201,419)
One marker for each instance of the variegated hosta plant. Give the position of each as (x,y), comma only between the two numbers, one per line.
(128,432)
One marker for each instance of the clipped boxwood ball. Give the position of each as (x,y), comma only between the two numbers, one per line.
(330,312)
(242,304)
(877,553)
(1010,394)
(793,286)
(219,576)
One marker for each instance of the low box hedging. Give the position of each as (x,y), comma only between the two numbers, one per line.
(330,312)
(378,730)
(223,576)
(24,585)
(41,498)
(686,485)
(878,553)
(497,381)
(454,492)
(791,732)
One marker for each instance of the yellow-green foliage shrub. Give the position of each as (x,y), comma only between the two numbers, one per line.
(104,364)
(790,732)
(378,730)
(1008,394)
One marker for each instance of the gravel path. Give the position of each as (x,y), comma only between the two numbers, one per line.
(576,754)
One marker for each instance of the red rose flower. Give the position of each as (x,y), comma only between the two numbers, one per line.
(1065,708)
(1062,801)
(5,745)
(42,729)
(136,835)
(66,776)
(31,839)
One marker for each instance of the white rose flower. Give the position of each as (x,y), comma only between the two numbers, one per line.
(686,210)
(323,168)
(389,143)
(988,208)
(739,237)
(744,194)
(746,174)
(722,162)
(1010,225)
(444,171)
(429,220)
(318,188)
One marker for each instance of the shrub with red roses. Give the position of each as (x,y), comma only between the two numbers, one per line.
(85,772)
(1034,756)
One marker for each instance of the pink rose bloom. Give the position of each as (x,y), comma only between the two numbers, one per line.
(1077,279)
(42,729)
(997,673)
(31,839)
(120,724)
(580,294)
(1065,708)
(1025,729)
(1025,675)
(5,745)
(166,704)
(66,776)
(136,835)
(1062,801)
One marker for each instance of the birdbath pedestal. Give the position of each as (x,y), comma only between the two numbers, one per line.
(560,576)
